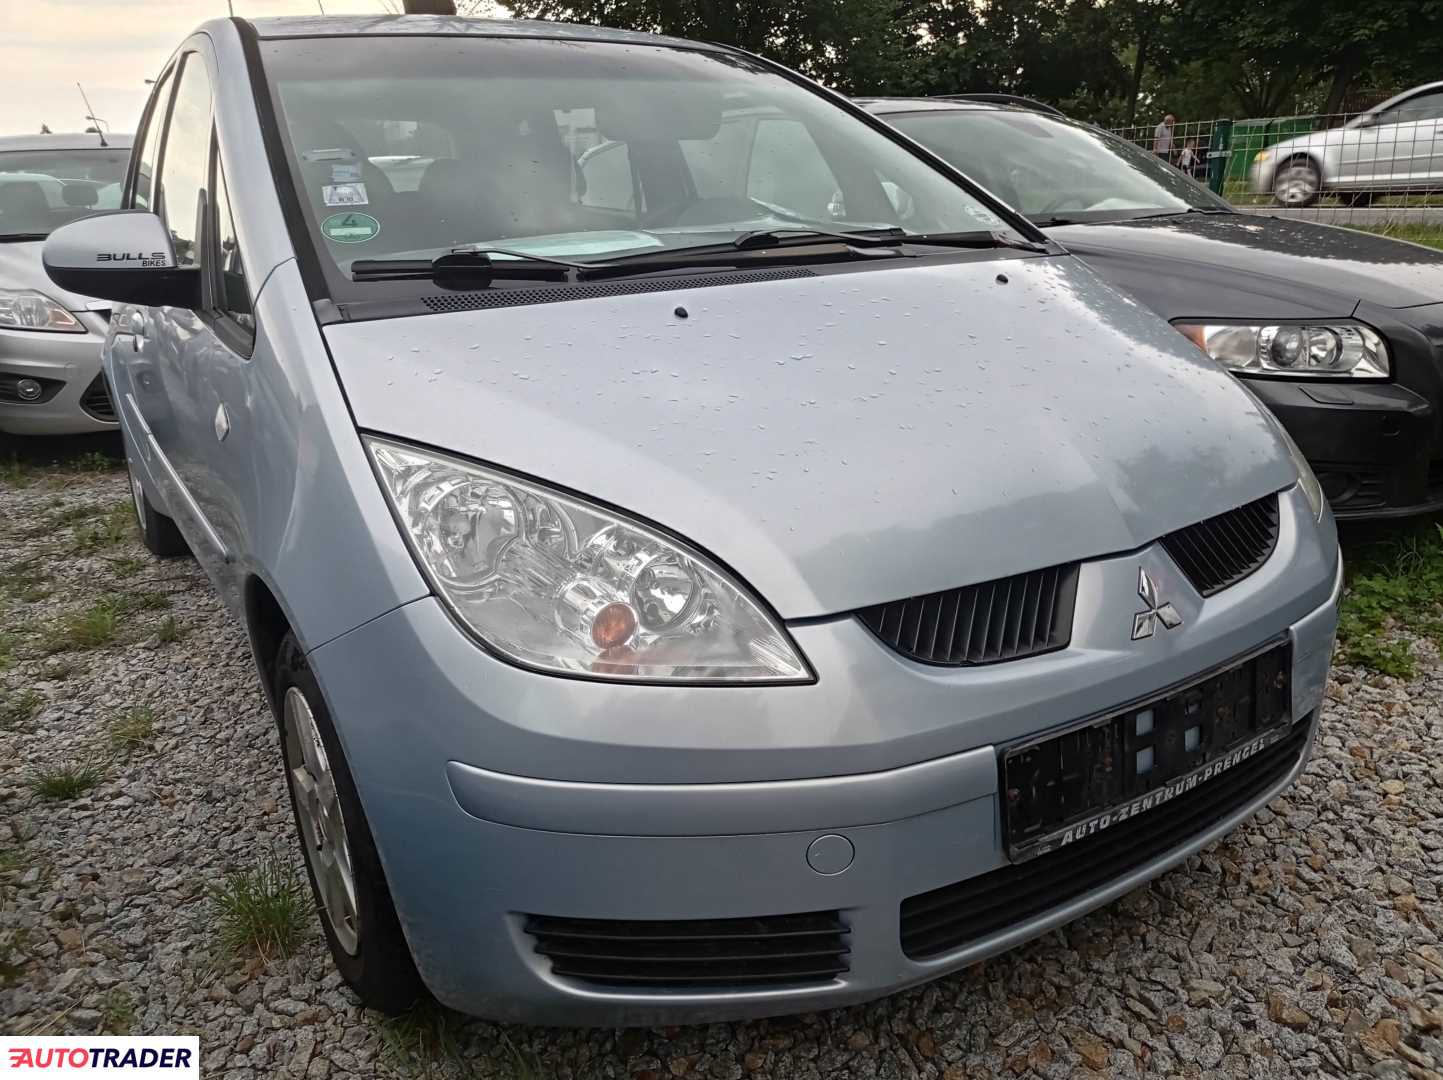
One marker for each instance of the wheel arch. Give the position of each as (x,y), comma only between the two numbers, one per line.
(267,626)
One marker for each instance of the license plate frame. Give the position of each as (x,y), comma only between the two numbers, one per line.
(1068,784)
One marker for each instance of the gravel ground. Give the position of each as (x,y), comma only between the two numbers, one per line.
(1305,943)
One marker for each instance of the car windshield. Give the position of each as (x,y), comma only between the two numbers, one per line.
(1049,167)
(579,151)
(40,190)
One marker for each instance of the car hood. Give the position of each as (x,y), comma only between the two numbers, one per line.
(846,438)
(1238,265)
(21,268)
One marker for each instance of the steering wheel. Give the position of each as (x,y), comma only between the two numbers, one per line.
(717,210)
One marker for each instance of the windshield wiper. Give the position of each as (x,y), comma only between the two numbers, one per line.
(761,238)
(468,267)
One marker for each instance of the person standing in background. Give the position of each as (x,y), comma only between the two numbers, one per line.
(1162,137)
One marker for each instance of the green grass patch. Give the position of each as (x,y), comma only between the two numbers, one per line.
(1394,584)
(93,461)
(143,601)
(132,729)
(66,781)
(15,473)
(169,631)
(423,1038)
(126,566)
(18,706)
(117,1012)
(12,860)
(1413,232)
(9,646)
(112,530)
(93,628)
(262,911)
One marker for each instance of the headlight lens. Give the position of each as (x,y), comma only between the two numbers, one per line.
(26,309)
(1262,155)
(558,584)
(1332,350)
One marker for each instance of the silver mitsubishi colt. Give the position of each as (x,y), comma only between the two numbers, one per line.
(706,557)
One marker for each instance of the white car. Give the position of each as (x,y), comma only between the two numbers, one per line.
(50,380)
(1395,147)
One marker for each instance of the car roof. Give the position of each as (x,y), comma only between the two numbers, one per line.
(883,105)
(84,141)
(310,26)
(1410,92)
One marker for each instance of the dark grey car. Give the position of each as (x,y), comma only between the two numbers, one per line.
(1339,332)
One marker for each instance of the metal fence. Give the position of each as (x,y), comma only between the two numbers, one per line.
(1378,168)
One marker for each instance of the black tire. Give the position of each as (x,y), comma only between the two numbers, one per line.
(157,532)
(380,970)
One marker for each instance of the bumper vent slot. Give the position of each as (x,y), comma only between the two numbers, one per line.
(694,954)
(1223,550)
(96,400)
(955,916)
(1006,619)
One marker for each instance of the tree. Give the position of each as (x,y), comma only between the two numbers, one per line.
(428,7)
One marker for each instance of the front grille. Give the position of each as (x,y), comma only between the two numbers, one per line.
(96,400)
(1223,550)
(957,915)
(1006,619)
(694,954)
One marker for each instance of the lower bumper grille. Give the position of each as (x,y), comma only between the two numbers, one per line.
(953,916)
(96,400)
(694,954)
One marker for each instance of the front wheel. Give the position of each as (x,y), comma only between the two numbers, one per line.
(1297,184)
(158,533)
(345,872)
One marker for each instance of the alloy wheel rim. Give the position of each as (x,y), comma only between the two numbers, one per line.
(137,493)
(1296,185)
(323,827)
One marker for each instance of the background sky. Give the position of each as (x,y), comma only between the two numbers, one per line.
(111,47)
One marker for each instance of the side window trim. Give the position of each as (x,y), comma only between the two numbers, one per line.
(157,110)
(236,337)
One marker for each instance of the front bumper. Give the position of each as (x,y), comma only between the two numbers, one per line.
(80,405)
(496,794)
(1373,445)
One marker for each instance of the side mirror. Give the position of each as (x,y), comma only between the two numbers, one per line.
(125,257)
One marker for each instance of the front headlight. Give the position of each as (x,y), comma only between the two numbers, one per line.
(558,584)
(1311,351)
(26,309)
(1262,155)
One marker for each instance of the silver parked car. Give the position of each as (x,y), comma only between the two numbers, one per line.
(50,338)
(1394,147)
(761,586)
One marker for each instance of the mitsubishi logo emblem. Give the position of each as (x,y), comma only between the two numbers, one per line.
(1144,623)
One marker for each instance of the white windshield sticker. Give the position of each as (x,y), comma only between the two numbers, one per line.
(335,153)
(344,195)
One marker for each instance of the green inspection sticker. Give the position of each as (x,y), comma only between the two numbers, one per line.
(350,228)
